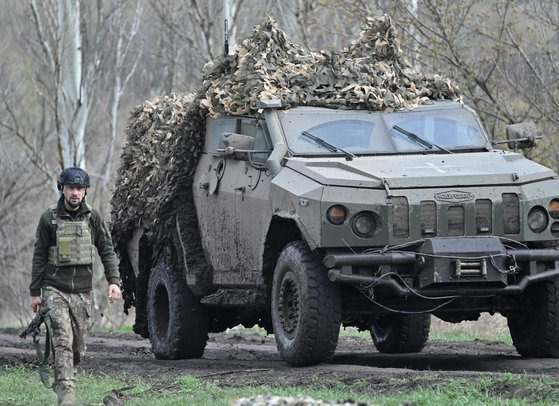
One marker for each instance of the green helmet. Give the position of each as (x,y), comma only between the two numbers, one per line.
(73,177)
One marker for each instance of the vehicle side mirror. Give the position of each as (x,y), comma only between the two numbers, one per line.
(237,146)
(521,135)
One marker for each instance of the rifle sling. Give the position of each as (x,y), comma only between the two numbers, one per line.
(43,359)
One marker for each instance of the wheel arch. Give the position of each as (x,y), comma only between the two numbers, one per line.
(135,264)
(281,232)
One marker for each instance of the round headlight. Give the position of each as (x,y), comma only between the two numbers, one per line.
(336,214)
(537,219)
(364,224)
(553,208)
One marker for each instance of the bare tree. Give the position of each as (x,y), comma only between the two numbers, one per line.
(19,189)
(126,58)
(71,58)
(503,54)
(48,107)
(189,35)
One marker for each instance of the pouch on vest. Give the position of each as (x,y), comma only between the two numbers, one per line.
(64,249)
(73,243)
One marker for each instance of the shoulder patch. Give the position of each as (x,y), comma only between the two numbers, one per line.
(53,209)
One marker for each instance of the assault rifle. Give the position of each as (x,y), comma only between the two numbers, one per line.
(34,327)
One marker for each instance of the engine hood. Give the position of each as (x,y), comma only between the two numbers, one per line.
(433,170)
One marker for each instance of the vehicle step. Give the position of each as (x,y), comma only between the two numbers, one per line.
(231,298)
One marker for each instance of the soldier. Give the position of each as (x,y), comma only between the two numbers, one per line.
(62,270)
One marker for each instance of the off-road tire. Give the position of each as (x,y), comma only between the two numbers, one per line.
(177,322)
(306,307)
(400,333)
(535,330)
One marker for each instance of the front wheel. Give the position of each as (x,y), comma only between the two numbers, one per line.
(535,330)
(400,333)
(177,322)
(306,307)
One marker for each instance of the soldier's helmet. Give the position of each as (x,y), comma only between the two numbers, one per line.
(73,177)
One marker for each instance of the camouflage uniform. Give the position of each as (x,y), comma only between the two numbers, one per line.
(70,321)
(69,286)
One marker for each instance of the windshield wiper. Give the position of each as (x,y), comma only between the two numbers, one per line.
(332,148)
(416,138)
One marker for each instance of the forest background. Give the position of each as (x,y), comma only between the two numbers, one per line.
(72,70)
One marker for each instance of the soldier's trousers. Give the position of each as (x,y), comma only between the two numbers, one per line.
(71,321)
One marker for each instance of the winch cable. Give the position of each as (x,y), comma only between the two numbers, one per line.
(366,290)
(406,311)
(412,290)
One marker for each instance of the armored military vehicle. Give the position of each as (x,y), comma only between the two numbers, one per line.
(308,219)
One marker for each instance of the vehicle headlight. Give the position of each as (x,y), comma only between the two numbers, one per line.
(553,208)
(537,219)
(336,214)
(364,224)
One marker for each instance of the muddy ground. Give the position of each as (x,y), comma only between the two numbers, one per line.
(241,359)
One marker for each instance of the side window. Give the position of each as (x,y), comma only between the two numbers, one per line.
(251,127)
(215,127)
(257,129)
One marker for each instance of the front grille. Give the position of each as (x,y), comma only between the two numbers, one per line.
(428,218)
(449,220)
(455,220)
(400,217)
(483,216)
(511,213)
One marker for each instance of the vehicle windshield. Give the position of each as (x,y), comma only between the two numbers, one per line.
(431,129)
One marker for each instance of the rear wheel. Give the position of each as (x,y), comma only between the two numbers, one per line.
(400,333)
(177,322)
(535,331)
(306,307)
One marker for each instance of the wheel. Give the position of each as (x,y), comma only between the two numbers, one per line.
(400,333)
(306,307)
(177,322)
(535,330)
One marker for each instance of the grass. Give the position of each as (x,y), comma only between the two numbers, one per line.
(113,330)
(252,330)
(504,338)
(21,386)
(463,334)
(445,335)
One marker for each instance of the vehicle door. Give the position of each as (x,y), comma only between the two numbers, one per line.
(252,199)
(214,190)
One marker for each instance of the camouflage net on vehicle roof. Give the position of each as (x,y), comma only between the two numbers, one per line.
(165,136)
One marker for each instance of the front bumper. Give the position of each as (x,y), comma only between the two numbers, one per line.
(460,266)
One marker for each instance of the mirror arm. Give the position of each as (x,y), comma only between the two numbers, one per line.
(517,140)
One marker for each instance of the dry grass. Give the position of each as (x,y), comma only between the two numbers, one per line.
(486,327)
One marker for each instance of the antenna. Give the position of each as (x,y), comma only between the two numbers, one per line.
(226,37)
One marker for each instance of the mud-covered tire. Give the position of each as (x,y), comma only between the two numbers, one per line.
(177,322)
(306,307)
(535,330)
(400,333)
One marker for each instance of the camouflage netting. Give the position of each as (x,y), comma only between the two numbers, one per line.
(165,136)
(370,74)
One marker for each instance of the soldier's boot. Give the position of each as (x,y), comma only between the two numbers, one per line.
(65,393)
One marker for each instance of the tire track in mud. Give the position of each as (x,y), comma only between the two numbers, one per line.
(239,359)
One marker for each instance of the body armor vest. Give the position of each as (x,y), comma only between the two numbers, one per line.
(73,242)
